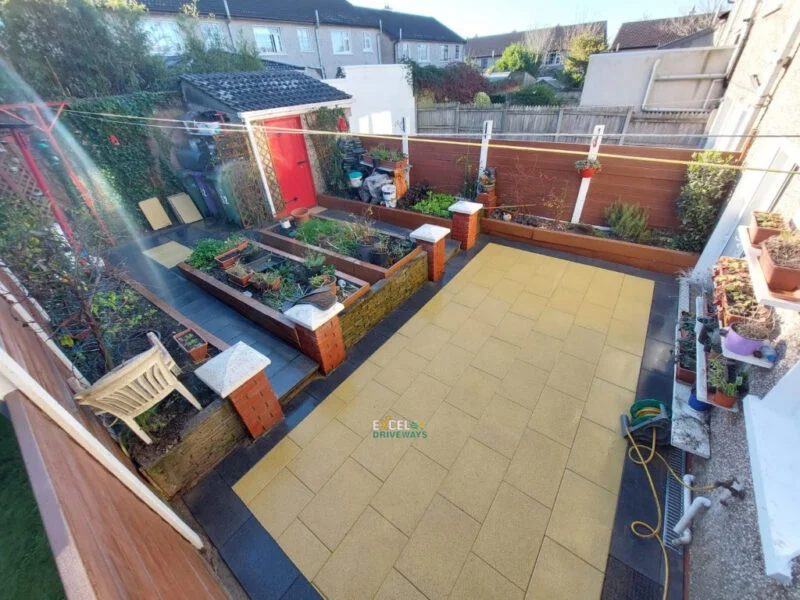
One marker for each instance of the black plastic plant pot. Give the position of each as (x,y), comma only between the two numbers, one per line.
(378,257)
(364,251)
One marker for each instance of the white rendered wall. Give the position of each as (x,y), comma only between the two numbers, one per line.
(382,96)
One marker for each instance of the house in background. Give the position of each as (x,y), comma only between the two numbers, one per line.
(318,35)
(550,43)
(690,31)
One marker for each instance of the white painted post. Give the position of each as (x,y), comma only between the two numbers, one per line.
(594,148)
(485,138)
(404,127)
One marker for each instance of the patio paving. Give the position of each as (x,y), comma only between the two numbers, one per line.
(517,371)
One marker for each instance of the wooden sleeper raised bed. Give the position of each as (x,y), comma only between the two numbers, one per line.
(347,264)
(395,216)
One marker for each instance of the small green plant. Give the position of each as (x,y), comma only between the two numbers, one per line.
(435,204)
(314,261)
(321,280)
(589,163)
(383,153)
(238,271)
(191,340)
(481,98)
(719,380)
(627,221)
(770,220)
(205,250)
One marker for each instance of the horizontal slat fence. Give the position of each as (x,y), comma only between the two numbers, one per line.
(567,123)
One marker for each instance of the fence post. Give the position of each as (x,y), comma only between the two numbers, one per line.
(558,124)
(404,127)
(457,117)
(594,148)
(487,135)
(625,126)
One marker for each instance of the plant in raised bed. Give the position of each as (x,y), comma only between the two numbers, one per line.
(324,280)
(724,381)
(627,221)
(588,167)
(206,250)
(232,251)
(780,261)
(435,204)
(270,280)
(379,254)
(314,262)
(192,344)
(415,193)
(765,225)
(239,275)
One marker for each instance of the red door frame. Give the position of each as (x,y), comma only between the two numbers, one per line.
(290,160)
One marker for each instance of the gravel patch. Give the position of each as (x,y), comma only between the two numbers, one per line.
(725,559)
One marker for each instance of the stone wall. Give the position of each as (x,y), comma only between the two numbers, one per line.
(216,431)
(382,299)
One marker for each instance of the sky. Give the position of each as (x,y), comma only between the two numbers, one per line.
(479,17)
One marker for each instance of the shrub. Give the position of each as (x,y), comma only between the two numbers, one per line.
(540,94)
(457,82)
(702,198)
(435,204)
(482,98)
(517,57)
(627,221)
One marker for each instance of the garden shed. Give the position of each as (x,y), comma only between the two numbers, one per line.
(269,104)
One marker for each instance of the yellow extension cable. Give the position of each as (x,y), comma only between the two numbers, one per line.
(651,532)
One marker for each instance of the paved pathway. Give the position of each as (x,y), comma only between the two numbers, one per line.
(517,371)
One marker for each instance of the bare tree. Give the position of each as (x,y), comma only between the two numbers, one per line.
(699,17)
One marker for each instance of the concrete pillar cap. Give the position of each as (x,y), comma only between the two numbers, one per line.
(465,207)
(310,317)
(231,369)
(429,233)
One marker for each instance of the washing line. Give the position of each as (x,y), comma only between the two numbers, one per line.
(581,153)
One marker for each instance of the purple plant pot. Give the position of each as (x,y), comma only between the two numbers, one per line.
(740,344)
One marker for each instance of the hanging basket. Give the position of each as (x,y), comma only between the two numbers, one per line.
(588,172)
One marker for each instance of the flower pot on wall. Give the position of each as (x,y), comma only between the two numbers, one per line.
(779,279)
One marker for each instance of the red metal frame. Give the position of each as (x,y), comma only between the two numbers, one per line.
(41,123)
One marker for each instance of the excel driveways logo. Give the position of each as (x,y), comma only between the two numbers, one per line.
(398,428)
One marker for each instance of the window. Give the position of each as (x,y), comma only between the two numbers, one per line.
(458,52)
(165,37)
(268,40)
(304,37)
(366,38)
(484,63)
(212,34)
(445,52)
(403,52)
(423,55)
(552,58)
(341,42)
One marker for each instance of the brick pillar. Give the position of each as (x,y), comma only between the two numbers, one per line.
(432,238)
(466,222)
(238,374)
(488,199)
(257,404)
(320,334)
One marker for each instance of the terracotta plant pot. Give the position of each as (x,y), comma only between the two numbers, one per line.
(758,234)
(227,259)
(240,281)
(393,164)
(301,215)
(685,375)
(588,172)
(724,400)
(199,352)
(779,279)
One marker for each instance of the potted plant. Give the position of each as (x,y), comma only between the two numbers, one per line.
(379,253)
(487,180)
(726,388)
(192,344)
(747,337)
(780,261)
(765,225)
(327,278)
(364,236)
(387,159)
(686,368)
(229,257)
(239,275)
(271,280)
(314,263)
(588,167)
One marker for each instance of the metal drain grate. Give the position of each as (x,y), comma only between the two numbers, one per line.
(673,499)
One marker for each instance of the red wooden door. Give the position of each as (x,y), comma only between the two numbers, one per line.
(290,157)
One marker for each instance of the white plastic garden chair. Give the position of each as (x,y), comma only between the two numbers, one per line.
(136,386)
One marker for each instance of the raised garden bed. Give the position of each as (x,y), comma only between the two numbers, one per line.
(262,306)
(652,258)
(395,216)
(340,250)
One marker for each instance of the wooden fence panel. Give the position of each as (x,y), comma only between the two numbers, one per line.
(571,123)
